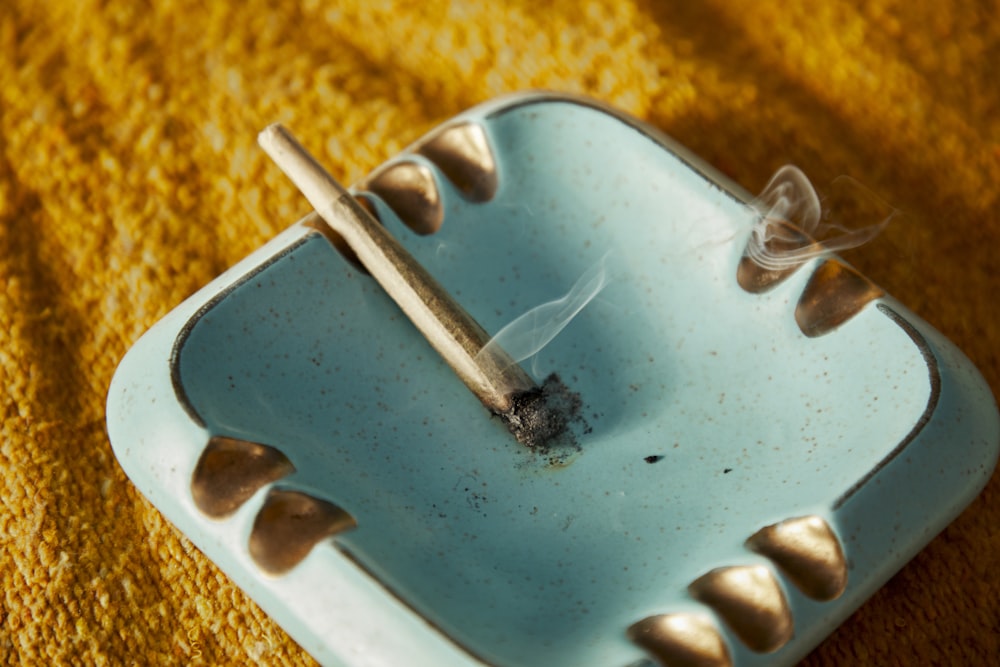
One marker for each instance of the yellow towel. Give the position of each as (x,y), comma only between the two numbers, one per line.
(129,177)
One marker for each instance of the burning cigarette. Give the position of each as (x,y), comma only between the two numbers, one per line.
(490,373)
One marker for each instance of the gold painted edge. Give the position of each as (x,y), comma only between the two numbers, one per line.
(835,293)
(410,190)
(289,524)
(230,471)
(681,640)
(806,550)
(750,601)
(462,152)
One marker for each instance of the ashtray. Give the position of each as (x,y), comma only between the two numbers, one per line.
(754,450)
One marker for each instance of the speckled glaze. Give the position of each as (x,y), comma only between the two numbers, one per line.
(711,416)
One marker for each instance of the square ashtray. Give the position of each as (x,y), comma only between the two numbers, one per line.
(759,449)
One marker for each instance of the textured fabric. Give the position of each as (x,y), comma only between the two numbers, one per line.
(129,176)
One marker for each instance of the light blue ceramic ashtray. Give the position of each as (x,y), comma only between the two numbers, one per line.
(754,448)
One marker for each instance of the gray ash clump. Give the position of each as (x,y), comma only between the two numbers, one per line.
(541,417)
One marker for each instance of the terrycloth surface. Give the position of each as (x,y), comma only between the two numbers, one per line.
(129,177)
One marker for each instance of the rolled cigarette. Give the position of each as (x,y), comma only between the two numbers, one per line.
(492,375)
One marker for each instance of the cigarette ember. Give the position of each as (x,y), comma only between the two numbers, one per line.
(534,415)
(542,415)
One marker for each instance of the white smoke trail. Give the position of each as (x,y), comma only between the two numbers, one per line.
(789,197)
(526,335)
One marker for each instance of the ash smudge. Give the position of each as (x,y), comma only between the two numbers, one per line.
(541,418)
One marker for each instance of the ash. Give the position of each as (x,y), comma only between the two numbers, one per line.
(541,417)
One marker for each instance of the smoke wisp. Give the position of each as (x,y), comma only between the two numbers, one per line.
(789,203)
(525,336)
